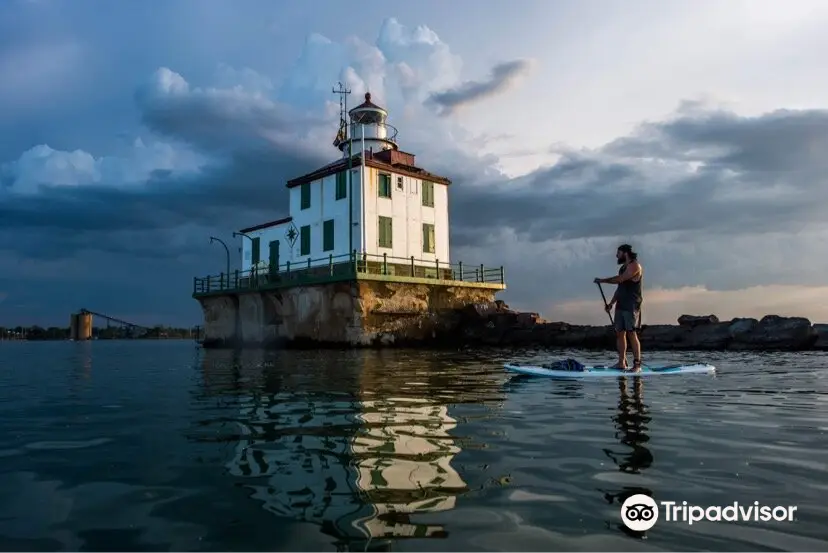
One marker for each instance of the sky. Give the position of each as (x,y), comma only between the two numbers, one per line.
(695,131)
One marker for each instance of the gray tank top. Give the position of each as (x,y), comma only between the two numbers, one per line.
(630,293)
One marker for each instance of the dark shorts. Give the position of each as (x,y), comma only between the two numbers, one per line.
(625,320)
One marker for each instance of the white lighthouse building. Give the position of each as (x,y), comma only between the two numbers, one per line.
(385,207)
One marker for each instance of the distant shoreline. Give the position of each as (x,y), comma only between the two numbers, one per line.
(495,325)
(54,334)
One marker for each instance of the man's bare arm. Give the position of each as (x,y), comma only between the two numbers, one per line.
(614,298)
(632,271)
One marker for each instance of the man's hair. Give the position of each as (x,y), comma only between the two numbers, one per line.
(627,249)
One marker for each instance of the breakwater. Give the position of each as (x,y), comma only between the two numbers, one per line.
(495,324)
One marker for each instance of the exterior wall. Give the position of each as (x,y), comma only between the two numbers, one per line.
(408,213)
(265,236)
(324,206)
(404,207)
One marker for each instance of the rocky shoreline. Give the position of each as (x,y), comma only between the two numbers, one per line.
(496,325)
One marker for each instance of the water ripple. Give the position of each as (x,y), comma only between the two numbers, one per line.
(141,445)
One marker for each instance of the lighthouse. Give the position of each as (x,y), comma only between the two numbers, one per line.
(362,257)
(398,210)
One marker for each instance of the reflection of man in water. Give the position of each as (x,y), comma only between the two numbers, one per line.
(631,421)
(631,429)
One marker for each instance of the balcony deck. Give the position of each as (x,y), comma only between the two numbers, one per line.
(351,267)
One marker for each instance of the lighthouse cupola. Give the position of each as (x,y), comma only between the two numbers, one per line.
(370,119)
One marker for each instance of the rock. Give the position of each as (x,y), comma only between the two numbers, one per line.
(480,310)
(821,331)
(714,336)
(776,333)
(494,324)
(693,321)
(741,327)
(662,336)
(527,320)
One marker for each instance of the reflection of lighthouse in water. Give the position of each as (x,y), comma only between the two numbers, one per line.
(360,469)
(404,459)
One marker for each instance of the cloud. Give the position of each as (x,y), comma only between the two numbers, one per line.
(709,197)
(503,76)
(664,306)
(711,172)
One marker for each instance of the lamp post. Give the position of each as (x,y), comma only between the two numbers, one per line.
(227,251)
(243,234)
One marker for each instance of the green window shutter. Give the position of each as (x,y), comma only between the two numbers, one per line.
(385,232)
(428,193)
(306,195)
(256,254)
(428,238)
(274,256)
(328,235)
(305,240)
(384,185)
(341,185)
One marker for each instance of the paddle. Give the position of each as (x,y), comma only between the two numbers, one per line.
(605,303)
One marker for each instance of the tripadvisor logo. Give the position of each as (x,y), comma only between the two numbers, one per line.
(640,512)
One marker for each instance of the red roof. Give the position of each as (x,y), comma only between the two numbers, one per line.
(367,104)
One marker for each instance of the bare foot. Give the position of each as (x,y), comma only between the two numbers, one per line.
(636,367)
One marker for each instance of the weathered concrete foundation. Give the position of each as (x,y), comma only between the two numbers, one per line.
(356,313)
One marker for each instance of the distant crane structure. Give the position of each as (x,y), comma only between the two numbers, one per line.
(80,325)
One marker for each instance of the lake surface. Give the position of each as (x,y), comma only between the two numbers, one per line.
(156,445)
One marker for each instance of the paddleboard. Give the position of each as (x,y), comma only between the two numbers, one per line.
(598,371)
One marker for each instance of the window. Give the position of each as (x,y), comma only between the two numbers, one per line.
(384,185)
(428,238)
(305,195)
(304,240)
(428,193)
(341,185)
(400,185)
(328,235)
(256,254)
(385,228)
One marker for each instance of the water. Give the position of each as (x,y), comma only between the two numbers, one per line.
(158,446)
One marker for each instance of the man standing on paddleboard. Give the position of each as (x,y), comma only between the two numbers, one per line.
(627,300)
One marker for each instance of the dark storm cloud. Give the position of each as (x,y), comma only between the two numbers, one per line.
(748,175)
(221,120)
(60,221)
(502,77)
(757,174)
(630,183)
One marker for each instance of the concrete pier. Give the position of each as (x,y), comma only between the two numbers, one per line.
(350,310)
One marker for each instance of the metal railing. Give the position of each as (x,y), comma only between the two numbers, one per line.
(344,267)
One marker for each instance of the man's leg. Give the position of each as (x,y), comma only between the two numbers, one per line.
(620,340)
(635,346)
(625,330)
(621,346)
